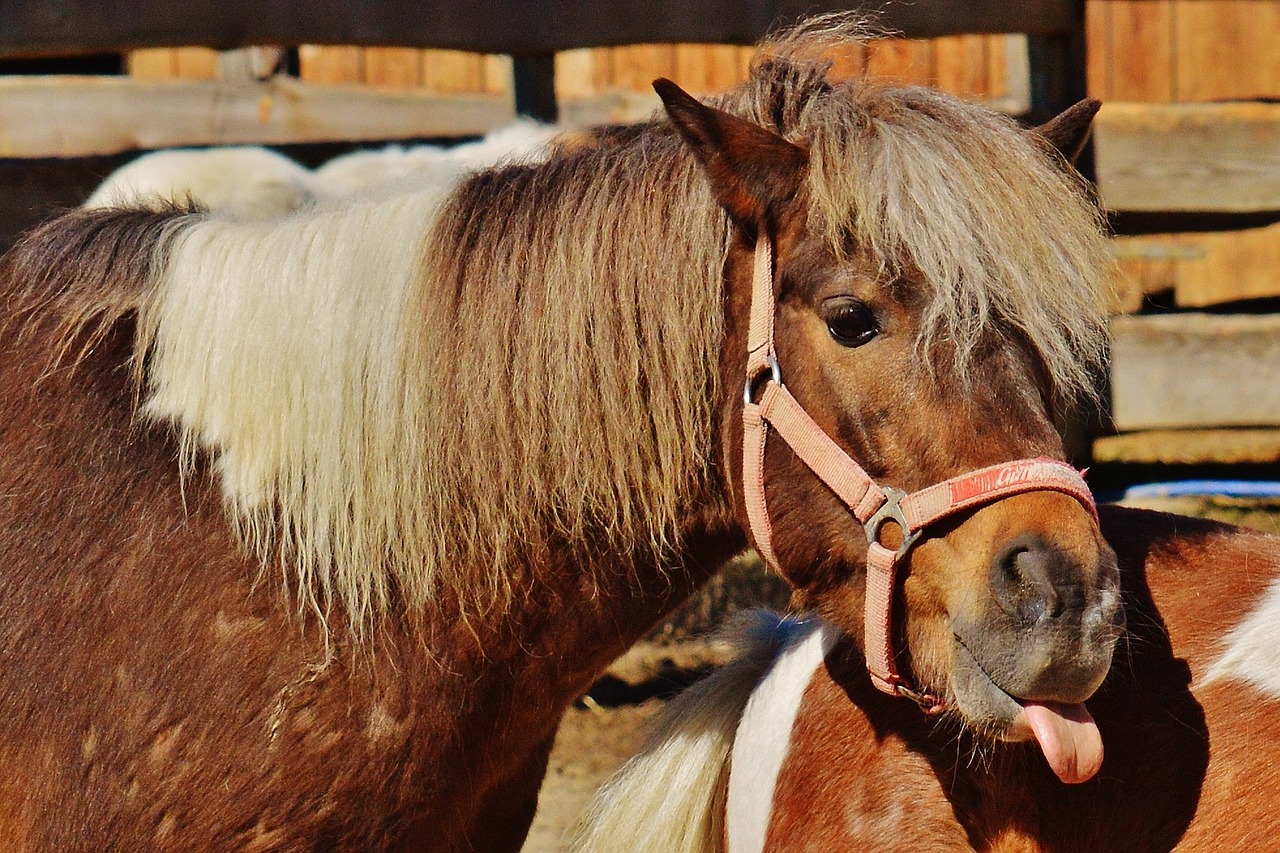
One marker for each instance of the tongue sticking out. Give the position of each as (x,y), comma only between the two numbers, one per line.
(1069,738)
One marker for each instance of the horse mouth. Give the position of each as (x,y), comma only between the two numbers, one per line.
(1066,733)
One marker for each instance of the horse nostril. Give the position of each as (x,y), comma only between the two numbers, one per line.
(1032,581)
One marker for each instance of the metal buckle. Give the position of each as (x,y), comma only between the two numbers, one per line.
(754,383)
(891,510)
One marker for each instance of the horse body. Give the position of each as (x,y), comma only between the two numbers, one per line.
(821,760)
(313,527)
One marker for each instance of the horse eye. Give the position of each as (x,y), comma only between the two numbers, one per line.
(850,322)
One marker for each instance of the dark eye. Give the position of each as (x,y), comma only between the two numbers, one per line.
(850,322)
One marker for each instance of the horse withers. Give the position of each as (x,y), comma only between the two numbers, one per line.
(313,527)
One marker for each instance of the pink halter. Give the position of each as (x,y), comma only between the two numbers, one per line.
(871,504)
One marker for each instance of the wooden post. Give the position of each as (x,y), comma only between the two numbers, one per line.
(535,84)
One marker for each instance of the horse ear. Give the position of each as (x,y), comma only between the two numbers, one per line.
(1069,130)
(753,171)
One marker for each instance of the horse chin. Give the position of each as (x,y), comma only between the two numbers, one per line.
(1065,732)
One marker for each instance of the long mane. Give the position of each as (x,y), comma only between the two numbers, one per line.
(424,394)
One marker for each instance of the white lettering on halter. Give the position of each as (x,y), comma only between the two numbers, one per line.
(985,482)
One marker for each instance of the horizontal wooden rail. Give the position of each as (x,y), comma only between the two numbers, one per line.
(78,116)
(1189,157)
(50,27)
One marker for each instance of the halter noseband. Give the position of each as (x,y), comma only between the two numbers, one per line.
(766,403)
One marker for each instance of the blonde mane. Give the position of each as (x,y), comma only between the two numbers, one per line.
(441,392)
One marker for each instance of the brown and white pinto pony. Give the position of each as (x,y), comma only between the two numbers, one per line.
(312,528)
(791,748)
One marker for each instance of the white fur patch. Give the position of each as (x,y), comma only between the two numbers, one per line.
(1253,647)
(280,350)
(764,737)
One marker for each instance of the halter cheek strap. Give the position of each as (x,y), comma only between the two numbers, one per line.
(767,403)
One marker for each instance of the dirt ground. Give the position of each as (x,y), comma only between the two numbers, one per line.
(596,737)
(591,745)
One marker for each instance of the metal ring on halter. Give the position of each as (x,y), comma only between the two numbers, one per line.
(891,510)
(753,381)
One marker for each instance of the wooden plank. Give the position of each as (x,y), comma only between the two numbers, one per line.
(1142,51)
(196,63)
(36,27)
(1097,37)
(453,71)
(635,67)
(576,73)
(497,74)
(154,63)
(1190,447)
(703,68)
(961,66)
(1195,370)
(1189,157)
(393,67)
(850,62)
(905,60)
(1209,268)
(330,66)
(75,116)
(1227,49)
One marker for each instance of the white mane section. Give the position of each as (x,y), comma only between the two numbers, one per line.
(279,351)
(764,737)
(1253,648)
(244,181)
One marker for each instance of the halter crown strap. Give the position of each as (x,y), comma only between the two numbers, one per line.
(870,504)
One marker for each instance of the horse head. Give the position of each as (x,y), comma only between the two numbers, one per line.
(1005,608)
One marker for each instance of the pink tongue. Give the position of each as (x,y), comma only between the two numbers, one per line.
(1069,738)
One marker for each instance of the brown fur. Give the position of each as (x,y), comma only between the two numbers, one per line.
(1187,767)
(574,359)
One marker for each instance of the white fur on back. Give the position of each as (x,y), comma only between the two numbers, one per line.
(764,737)
(279,350)
(1253,647)
(431,165)
(254,183)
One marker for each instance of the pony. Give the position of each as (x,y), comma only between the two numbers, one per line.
(313,527)
(244,181)
(790,747)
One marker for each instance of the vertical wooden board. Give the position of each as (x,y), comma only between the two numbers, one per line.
(905,60)
(961,65)
(328,65)
(1227,49)
(153,63)
(393,67)
(453,71)
(196,63)
(1097,44)
(636,66)
(849,62)
(1141,53)
(576,73)
(706,67)
(498,72)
